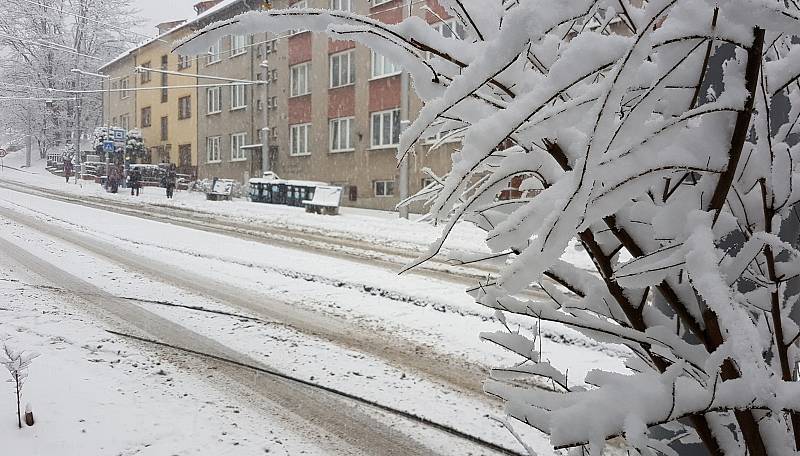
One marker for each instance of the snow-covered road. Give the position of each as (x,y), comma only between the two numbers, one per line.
(410,342)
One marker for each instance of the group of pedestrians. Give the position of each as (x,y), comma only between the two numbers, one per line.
(135,181)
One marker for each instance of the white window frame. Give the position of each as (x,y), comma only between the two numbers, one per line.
(379,2)
(294,77)
(214,100)
(238,96)
(213,149)
(214,55)
(378,64)
(342,5)
(240,48)
(348,70)
(383,116)
(125,121)
(295,149)
(335,126)
(124,84)
(237,141)
(450,26)
(383,193)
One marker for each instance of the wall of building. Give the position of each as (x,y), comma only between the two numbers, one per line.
(179,146)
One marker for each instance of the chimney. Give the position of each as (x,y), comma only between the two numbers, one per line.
(202,7)
(164,27)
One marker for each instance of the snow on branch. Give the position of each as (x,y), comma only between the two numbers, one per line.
(666,132)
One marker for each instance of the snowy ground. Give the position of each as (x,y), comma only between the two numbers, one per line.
(344,324)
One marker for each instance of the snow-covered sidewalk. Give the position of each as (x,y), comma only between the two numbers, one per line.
(380,228)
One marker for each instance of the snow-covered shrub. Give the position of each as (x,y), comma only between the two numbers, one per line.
(666,129)
(134,146)
(17,363)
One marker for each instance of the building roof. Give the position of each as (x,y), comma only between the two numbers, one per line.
(221,6)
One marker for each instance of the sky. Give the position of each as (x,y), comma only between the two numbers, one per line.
(157,11)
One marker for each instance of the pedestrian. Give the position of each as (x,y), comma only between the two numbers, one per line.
(113,180)
(171,180)
(135,181)
(67,170)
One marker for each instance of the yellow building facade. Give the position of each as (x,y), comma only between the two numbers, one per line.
(167,117)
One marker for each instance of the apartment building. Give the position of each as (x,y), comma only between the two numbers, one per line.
(163,103)
(332,108)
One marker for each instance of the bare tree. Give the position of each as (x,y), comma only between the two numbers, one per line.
(17,363)
(607,104)
(42,40)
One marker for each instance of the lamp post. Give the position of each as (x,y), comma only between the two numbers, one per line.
(405,107)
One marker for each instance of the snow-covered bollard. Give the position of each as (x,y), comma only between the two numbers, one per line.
(29,415)
(17,364)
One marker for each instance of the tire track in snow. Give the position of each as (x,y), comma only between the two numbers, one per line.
(576,340)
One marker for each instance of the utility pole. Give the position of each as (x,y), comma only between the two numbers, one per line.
(28,140)
(404,123)
(266,165)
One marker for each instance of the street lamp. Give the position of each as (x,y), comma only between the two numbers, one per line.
(108,118)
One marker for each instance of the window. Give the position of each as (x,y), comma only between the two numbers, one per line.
(451,28)
(343,69)
(300,4)
(341,133)
(184,107)
(212,149)
(184,62)
(299,79)
(298,139)
(341,5)
(213,54)
(273,75)
(352,193)
(214,100)
(164,128)
(164,66)
(124,84)
(272,102)
(385,128)
(238,45)
(124,121)
(383,67)
(269,46)
(238,96)
(383,188)
(379,2)
(426,181)
(145,75)
(146,117)
(237,141)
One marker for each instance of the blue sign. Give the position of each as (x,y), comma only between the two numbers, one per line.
(108,146)
(119,135)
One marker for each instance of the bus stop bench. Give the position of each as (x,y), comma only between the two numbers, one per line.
(325,201)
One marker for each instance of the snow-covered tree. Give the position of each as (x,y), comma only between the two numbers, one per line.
(665,129)
(17,363)
(41,42)
(134,145)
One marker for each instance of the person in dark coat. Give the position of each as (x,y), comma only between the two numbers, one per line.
(135,181)
(67,169)
(171,180)
(113,180)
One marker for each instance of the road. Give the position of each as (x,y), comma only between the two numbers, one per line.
(338,425)
(52,214)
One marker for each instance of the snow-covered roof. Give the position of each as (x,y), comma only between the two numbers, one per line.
(211,11)
(299,183)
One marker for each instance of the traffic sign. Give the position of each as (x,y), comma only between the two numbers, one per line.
(2,153)
(108,146)
(119,135)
